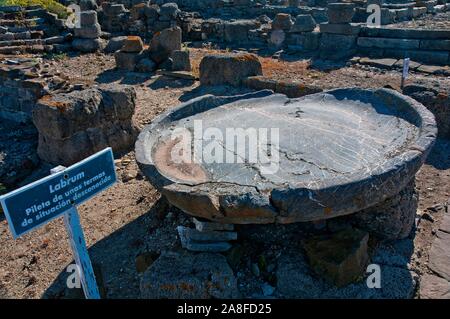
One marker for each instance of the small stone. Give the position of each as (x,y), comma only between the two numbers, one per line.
(133,44)
(304,23)
(206,236)
(434,287)
(282,21)
(201,225)
(340,12)
(185,275)
(341,257)
(181,60)
(439,258)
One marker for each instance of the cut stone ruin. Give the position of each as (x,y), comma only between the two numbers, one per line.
(75,125)
(368,153)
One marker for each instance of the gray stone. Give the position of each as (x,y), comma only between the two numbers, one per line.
(237,31)
(234,194)
(340,12)
(435,97)
(87,45)
(207,236)
(201,225)
(88,18)
(228,68)
(435,45)
(181,60)
(379,63)
(392,219)
(164,43)
(132,44)
(303,23)
(439,258)
(434,287)
(169,10)
(341,28)
(88,32)
(341,258)
(74,125)
(295,280)
(127,61)
(115,44)
(385,43)
(86,5)
(186,275)
(282,21)
(337,46)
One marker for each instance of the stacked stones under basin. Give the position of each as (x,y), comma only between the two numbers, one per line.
(340,152)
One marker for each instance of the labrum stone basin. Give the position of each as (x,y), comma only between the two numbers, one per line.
(320,156)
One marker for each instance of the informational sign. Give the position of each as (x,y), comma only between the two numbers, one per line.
(405,68)
(36,204)
(58,194)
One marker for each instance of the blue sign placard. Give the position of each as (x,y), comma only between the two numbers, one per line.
(36,204)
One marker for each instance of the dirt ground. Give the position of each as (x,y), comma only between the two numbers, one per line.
(129,219)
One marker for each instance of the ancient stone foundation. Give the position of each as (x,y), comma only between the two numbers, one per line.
(75,125)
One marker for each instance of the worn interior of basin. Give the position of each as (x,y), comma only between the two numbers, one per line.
(319,137)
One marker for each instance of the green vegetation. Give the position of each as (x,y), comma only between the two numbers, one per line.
(50,5)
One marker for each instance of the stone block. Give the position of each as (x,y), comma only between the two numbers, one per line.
(341,28)
(340,12)
(228,68)
(337,46)
(132,44)
(88,32)
(304,23)
(180,60)
(386,43)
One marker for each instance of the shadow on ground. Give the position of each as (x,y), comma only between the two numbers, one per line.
(114,257)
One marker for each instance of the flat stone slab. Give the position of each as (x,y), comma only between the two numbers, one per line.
(336,153)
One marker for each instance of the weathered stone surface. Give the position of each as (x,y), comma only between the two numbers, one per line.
(386,63)
(237,31)
(203,225)
(88,18)
(337,46)
(74,125)
(303,23)
(87,45)
(439,258)
(436,98)
(295,280)
(340,12)
(282,21)
(341,258)
(387,43)
(181,60)
(88,32)
(434,287)
(127,61)
(341,28)
(207,236)
(228,68)
(132,44)
(18,151)
(306,179)
(392,219)
(183,275)
(115,44)
(164,43)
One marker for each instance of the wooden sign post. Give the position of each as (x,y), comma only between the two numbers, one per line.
(36,204)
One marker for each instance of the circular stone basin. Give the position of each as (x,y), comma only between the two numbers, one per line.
(265,158)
